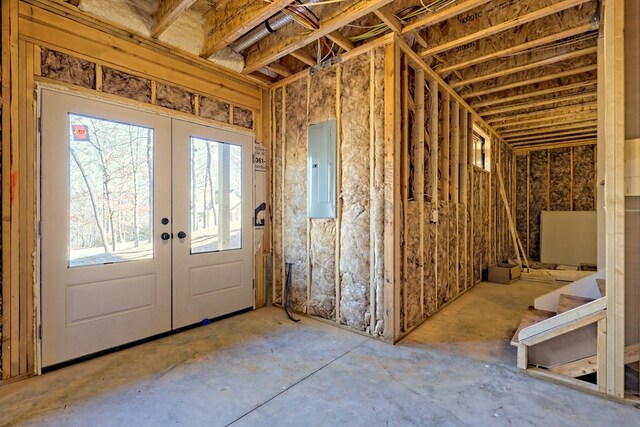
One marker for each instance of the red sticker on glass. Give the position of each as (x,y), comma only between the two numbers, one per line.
(80,133)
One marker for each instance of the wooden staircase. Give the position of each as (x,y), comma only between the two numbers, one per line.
(564,343)
(568,343)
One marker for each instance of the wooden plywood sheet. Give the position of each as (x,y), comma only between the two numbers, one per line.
(568,237)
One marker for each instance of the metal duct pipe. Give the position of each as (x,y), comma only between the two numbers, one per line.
(263,30)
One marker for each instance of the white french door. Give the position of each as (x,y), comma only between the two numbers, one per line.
(212,259)
(145,225)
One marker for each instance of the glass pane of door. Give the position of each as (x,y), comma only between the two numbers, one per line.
(216,196)
(111,191)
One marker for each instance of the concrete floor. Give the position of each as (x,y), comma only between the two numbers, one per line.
(259,368)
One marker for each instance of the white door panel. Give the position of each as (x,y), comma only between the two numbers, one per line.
(93,300)
(213,206)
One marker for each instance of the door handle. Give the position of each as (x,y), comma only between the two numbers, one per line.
(182,235)
(165,236)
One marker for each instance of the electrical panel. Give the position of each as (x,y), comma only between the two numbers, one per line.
(321,167)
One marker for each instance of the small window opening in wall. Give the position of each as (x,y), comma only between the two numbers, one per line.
(481,149)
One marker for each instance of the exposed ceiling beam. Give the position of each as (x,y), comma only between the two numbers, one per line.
(553,119)
(543,130)
(557,89)
(541,112)
(518,48)
(524,147)
(263,78)
(444,14)
(526,67)
(272,48)
(537,125)
(303,56)
(229,21)
(550,135)
(532,81)
(342,41)
(387,16)
(168,12)
(550,101)
(520,20)
(572,138)
(279,69)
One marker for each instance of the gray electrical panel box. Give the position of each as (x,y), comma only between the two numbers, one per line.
(321,166)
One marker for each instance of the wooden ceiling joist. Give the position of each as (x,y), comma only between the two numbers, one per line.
(544,130)
(168,12)
(554,122)
(524,148)
(279,69)
(341,40)
(568,139)
(555,135)
(228,22)
(272,48)
(303,56)
(387,16)
(533,81)
(553,119)
(498,28)
(548,111)
(528,95)
(518,48)
(536,104)
(444,14)
(526,67)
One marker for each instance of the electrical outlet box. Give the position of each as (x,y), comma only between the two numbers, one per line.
(321,170)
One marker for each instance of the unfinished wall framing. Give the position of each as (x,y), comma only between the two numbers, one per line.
(429,223)
(58,46)
(561,178)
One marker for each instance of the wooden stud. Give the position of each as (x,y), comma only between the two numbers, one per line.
(601,356)
(433,132)
(528,205)
(446,144)
(455,153)
(338,254)
(309,225)
(283,267)
(419,171)
(614,130)
(392,250)
(372,181)
(404,188)
(503,26)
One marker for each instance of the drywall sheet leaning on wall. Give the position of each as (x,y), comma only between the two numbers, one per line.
(568,237)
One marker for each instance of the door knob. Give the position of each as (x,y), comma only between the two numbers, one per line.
(165,236)
(182,235)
